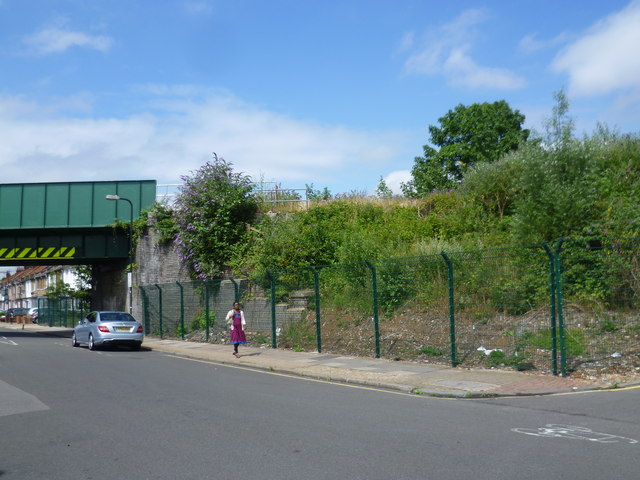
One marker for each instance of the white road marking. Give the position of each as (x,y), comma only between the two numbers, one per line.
(7,341)
(553,430)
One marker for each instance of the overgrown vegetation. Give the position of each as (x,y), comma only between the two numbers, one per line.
(536,189)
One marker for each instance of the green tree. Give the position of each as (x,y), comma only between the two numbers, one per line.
(382,190)
(467,135)
(84,277)
(59,289)
(559,127)
(317,195)
(212,212)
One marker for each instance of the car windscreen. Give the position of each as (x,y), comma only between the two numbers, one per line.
(116,317)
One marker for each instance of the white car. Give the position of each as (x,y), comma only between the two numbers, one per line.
(108,328)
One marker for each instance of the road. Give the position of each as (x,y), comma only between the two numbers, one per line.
(69,413)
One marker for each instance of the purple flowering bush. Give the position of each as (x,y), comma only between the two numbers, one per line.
(212,211)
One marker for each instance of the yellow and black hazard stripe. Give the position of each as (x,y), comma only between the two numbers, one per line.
(39,253)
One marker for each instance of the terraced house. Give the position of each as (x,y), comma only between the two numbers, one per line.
(23,288)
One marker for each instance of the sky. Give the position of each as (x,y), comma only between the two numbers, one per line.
(331,93)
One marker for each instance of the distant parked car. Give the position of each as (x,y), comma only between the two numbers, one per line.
(33,313)
(3,315)
(108,328)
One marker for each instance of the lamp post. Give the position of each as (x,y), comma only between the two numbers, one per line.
(130,272)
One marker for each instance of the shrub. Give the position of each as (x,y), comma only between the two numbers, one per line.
(212,212)
(199,322)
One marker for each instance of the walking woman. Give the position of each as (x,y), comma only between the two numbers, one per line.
(235,318)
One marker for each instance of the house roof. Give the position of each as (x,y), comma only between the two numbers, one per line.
(25,274)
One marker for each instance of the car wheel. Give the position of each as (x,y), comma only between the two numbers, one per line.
(136,346)
(92,346)
(74,341)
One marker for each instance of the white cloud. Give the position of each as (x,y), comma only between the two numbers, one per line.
(394,180)
(531,43)
(39,143)
(446,51)
(56,40)
(464,71)
(605,59)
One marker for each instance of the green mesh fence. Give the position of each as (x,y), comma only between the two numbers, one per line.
(501,307)
(413,308)
(196,311)
(555,308)
(61,311)
(600,296)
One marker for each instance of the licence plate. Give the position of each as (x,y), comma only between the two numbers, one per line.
(123,329)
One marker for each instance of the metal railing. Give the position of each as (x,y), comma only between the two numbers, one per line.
(270,194)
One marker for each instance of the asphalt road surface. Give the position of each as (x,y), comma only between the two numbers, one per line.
(69,413)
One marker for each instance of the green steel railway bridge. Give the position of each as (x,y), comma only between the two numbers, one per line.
(71,223)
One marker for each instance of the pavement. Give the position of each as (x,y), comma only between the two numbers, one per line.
(408,377)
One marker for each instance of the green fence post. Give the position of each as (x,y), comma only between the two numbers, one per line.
(59,311)
(563,345)
(42,309)
(552,305)
(272,279)
(206,308)
(236,290)
(316,291)
(65,301)
(452,315)
(181,309)
(160,307)
(374,293)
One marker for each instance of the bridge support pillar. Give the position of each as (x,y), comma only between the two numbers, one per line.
(109,288)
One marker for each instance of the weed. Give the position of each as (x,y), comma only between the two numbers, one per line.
(431,351)
(298,334)
(496,358)
(181,330)
(607,326)
(575,343)
(524,366)
(259,338)
(481,318)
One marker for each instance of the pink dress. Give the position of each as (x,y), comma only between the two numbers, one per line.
(237,334)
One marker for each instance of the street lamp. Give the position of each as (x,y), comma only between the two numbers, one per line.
(130,272)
